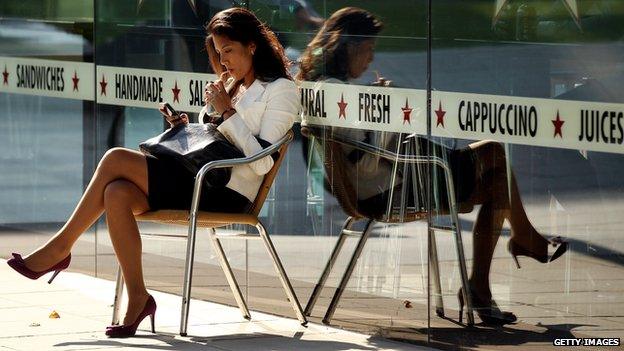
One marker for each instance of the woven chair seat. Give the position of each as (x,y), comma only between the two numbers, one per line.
(204,219)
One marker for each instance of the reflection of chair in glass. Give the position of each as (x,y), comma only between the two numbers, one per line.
(344,191)
(314,188)
(214,220)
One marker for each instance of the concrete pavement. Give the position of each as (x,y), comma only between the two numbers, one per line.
(83,304)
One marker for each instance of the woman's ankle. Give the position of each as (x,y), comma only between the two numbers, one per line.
(136,303)
(139,296)
(480,289)
(59,246)
(533,241)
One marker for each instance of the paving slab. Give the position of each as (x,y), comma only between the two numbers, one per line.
(83,304)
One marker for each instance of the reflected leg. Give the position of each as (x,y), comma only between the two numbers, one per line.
(486,231)
(491,192)
(494,186)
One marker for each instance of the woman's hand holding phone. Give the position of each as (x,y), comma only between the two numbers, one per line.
(171,115)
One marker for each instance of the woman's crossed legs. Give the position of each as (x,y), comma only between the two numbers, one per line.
(498,194)
(119,186)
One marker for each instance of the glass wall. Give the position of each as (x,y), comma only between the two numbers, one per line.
(47,111)
(541,81)
(376,98)
(446,151)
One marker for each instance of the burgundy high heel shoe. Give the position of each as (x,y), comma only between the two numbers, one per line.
(18,264)
(124,331)
(517,250)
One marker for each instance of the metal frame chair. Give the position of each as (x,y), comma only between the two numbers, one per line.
(346,196)
(214,220)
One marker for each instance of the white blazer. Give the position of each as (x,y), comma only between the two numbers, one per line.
(266,110)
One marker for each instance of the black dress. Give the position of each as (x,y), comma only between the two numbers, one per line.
(170,186)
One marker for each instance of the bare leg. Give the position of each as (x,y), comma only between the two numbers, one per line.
(494,187)
(122,200)
(492,192)
(117,163)
(486,232)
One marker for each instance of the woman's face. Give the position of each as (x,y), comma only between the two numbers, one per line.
(360,56)
(235,56)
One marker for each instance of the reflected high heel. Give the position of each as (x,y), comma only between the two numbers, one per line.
(517,250)
(488,311)
(124,331)
(18,264)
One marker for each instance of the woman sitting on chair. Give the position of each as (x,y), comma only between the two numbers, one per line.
(255,96)
(342,51)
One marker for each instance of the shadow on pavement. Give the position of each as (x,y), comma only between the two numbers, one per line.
(243,341)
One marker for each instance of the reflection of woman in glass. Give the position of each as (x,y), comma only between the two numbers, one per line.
(342,50)
(258,98)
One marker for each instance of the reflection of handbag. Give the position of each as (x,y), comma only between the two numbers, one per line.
(193,145)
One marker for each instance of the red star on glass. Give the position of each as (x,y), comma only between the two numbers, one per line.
(75,80)
(176,92)
(407,111)
(103,85)
(5,76)
(558,123)
(343,107)
(440,114)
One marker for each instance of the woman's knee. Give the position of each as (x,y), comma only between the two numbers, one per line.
(122,164)
(113,157)
(114,164)
(125,192)
(117,191)
(493,153)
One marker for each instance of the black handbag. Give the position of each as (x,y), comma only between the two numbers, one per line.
(192,146)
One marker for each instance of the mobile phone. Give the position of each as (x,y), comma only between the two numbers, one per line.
(171,113)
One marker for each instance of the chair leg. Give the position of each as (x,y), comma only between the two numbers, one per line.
(229,275)
(464,275)
(328,267)
(458,243)
(118,296)
(281,272)
(347,274)
(188,275)
(462,263)
(435,272)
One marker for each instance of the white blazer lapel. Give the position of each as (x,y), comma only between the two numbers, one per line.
(254,91)
(251,107)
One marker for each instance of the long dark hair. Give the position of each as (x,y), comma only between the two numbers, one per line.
(326,55)
(238,24)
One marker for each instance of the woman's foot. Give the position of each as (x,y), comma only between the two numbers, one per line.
(18,264)
(538,252)
(136,305)
(131,323)
(485,307)
(45,257)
